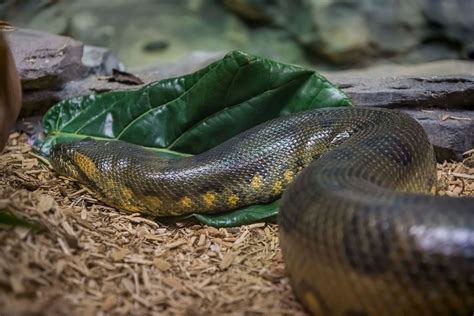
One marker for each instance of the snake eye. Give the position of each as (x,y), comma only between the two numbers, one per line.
(58,153)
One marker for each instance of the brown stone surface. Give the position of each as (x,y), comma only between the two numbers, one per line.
(46,61)
(428,69)
(451,131)
(453,91)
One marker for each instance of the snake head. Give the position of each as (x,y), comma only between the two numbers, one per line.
(61,158)
(66,159)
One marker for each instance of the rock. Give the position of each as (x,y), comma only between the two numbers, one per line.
(354,32)
(251,10)
(443,91)
(345,32)
(329,32)
(450,131)
(167,38)
(455,19)
(186,65)
(100,60)
(52,19)
(46,61)
(445,84)
(335,40)
(428,69)
(88,27)
(161,32)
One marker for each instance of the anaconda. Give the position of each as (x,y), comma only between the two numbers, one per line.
(360,230)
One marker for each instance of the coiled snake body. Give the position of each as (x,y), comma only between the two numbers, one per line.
(359,230)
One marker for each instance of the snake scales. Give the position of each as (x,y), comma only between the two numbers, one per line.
(359,230)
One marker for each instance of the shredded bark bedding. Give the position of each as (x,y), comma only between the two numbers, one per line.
(90,259)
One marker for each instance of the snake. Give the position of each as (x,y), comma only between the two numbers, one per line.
(360,227)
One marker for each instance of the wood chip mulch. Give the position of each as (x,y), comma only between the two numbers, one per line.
(90,259)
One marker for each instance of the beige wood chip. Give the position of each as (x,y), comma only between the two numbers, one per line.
(119,254)
(176,244)
(174,283)
(227,260)
(45,203)
(109,302)
(161,264)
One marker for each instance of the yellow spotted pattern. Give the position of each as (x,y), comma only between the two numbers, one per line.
(277,187)
(185,202)
(257,182)
(233,200)
(152,201)
(209,198)
(289,175)
(127,193)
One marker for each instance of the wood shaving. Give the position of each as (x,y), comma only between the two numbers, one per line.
(91,259)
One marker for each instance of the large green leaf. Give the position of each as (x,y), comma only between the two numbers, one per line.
(193,113)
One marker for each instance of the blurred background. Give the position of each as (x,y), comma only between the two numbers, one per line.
(329,34)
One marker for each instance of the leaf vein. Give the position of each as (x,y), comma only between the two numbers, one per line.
(160,105)
(207,118)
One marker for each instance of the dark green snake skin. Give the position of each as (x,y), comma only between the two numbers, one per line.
(359,230)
